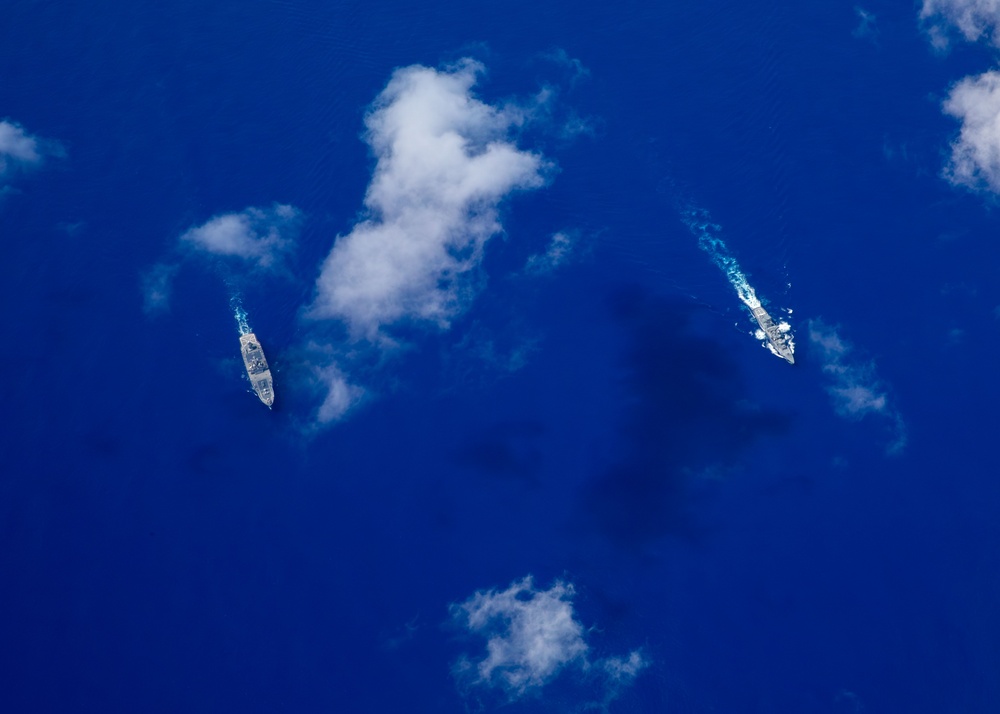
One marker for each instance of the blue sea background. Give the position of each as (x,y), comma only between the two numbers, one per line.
(167,544)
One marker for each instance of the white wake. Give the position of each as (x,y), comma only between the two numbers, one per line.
(240,314)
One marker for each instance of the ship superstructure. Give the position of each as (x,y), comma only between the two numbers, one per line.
(257,368)
(780,341)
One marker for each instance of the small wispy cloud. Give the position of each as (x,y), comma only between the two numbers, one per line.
(559,250)
(259,235)
(157,285)
(483,352)
(16,145)
(624,669)
(532,636)
(856,389)
(975,154)
(975,20)
(262,237)
(559,56)
(444,162)
(867,27)
(341,395)
(19,149)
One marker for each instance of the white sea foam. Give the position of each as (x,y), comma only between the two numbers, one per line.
(700,223)
(240,314)
(786,329)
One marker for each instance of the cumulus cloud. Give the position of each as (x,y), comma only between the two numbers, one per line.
(259,235)
(558,252)
(20,149)
(444,162)
(975,154)
(856,389)
(973,19)
(532,635)
(975,100)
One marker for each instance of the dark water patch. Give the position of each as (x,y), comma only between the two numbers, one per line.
(101,444)
(796,484)
(686,416)
(505,450)
(205,458)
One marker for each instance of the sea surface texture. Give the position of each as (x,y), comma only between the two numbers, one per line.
(529,450)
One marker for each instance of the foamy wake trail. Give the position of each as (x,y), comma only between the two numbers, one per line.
(240,314)
(700,223)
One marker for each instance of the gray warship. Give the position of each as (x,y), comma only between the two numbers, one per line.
(780,342)
(257,369)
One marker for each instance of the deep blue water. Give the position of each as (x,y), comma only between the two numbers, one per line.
(170,545)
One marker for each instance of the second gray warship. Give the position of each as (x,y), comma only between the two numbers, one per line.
(257,369)
(780,342)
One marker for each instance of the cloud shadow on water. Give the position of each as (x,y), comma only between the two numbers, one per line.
(506,450)
(686,418)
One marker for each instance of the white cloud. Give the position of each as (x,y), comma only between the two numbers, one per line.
(444,162)
(625,669)
(974,19)
(975,154)
(532,635)
(341,395)
(20,149)
(856,390)
(559,250)
(260,235)
(17,145)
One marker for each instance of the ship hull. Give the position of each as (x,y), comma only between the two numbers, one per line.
(779,341)
(257,368)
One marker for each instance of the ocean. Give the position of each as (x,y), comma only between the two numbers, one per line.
(518,362)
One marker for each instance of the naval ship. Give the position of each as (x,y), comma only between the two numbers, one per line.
(780,342)
(257,369)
